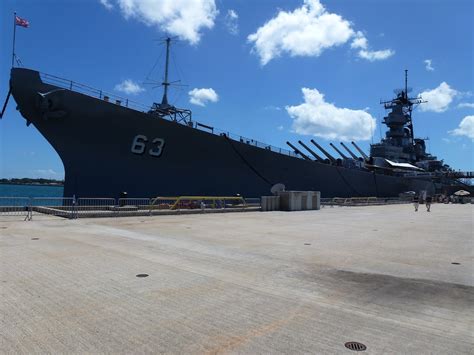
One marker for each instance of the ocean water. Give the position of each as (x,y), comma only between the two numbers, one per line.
(10,190)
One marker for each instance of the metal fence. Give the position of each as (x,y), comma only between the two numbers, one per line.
(253,201)
(15,206)
(362,201)
(55,206)
(109,207)
(95,207)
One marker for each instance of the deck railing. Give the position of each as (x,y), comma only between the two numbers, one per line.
(118,100)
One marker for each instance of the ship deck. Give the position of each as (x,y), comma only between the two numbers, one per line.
(276,282)
(113,99)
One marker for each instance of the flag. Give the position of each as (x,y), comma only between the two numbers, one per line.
(21,22)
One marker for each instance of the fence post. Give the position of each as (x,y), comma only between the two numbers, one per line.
(74,212)
(29,212)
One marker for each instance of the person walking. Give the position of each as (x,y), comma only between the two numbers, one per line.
(428,203)
(416,202)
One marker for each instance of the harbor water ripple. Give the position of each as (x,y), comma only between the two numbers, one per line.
(13,190)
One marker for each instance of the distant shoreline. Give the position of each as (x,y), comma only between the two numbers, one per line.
(32,184)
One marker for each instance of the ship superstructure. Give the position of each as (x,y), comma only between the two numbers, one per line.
(399,144)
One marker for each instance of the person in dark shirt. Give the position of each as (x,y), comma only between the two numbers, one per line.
(428,203)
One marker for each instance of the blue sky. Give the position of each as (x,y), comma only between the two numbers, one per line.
(271,70)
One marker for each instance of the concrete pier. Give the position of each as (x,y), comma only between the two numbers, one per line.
(257,283)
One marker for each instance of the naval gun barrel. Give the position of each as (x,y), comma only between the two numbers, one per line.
(318,158)
(360,151)
(297,151)
(338,151)
(330,157)
(349,151)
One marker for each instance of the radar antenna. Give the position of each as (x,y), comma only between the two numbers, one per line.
(407,103)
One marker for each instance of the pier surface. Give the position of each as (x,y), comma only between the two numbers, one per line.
(276,282)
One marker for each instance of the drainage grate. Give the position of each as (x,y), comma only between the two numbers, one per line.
(456,263)
(307,243)
(34,238)
(353,345)
(142,275)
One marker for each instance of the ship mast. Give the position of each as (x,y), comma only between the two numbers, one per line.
(410,122)
(406,82)
(165,83)
(164,109)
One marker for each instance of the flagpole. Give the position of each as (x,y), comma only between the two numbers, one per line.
(14,34)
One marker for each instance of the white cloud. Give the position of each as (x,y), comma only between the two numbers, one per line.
(107,4)
(307,31)
(428,65)
(360,42)
(280,128)
(129,87)
(322,119)
(202,96)
(46,172)
(183,18)
(231,22)
(466,105)
(438,98)
(466,128)
(272,108)
(376,55)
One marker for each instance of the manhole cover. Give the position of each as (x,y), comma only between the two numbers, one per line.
(34,238)
(142,275)
(456,263)
(353,345)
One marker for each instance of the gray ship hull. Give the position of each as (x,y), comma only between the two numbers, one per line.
(102,156)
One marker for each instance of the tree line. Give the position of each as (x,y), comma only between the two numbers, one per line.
(32,181)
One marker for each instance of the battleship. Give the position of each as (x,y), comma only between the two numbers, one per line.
(110,145)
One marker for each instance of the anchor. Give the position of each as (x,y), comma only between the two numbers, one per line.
(47,103)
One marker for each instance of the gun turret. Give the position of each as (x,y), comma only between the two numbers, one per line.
(330,157)
(318,158)
(360,151)
(350,152)
(297,151)
(338,151)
